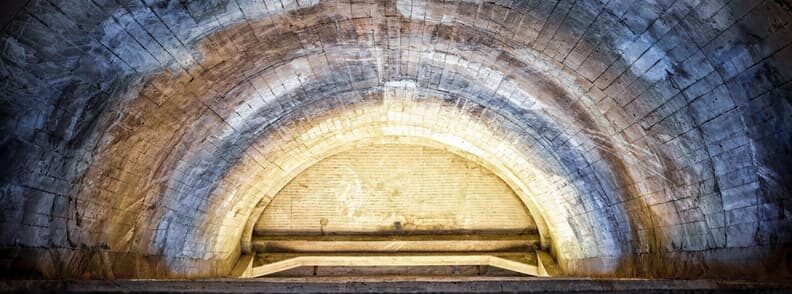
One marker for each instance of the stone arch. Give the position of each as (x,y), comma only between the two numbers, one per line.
(669,119)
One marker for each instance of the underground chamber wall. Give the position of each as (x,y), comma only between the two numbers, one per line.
(646,139)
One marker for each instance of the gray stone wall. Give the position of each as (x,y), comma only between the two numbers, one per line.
(128,126)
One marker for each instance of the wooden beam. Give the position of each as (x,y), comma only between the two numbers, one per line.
(397,243)
(396,260)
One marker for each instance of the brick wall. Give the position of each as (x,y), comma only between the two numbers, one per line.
(395,189)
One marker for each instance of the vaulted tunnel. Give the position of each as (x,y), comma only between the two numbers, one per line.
(154,139)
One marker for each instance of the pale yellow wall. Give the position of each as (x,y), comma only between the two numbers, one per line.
(370,188)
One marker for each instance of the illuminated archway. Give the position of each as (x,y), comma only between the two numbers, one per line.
(325,134)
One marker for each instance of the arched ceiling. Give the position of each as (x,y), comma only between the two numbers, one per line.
(144,138)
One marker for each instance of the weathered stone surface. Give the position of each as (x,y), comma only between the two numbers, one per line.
(649,139)
(390,284)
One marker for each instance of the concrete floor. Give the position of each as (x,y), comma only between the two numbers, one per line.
(402,284)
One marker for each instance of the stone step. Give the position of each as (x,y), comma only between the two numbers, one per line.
(397,243)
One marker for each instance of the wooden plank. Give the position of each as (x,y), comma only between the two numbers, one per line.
(396,260)
(406,243)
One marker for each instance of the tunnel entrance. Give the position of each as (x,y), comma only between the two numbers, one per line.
(396,209)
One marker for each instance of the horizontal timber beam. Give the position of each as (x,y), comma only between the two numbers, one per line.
(396,260)
(406,243)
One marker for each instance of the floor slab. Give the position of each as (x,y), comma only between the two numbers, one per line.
(401,284)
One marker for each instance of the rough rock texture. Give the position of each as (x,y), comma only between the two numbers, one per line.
(647,138)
